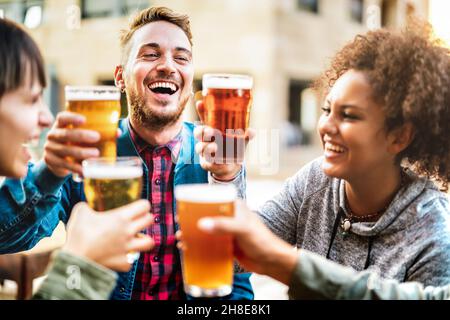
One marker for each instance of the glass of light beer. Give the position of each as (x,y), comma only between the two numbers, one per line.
(110,183)
(207,260)
(101,107)
(227,102)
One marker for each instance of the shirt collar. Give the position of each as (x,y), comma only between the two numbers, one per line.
(141,145)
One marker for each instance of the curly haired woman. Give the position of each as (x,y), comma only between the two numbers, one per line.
(369,202)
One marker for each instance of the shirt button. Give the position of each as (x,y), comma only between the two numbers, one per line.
(155,258)
(122,290)
(158,182)
(157,219)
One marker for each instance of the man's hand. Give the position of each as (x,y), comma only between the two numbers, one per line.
(65,147)
(107,237)
(210,160)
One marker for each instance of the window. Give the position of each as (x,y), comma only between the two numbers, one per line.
(33,16)
(27,12)
(356,10)
(308,5)
(129,6)
(111,8)
(388,13)
(97,8)
(302,113)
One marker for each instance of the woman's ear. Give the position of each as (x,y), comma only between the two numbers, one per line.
(400,138)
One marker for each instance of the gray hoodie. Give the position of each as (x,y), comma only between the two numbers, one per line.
(410,242)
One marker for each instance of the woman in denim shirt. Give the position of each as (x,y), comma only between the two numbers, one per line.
(95,243)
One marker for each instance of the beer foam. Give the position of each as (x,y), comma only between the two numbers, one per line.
(227,81)
(205,193)
(92,93)
(112,172)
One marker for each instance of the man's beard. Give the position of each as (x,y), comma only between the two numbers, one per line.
(145,116)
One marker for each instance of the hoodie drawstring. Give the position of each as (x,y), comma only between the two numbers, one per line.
(369,249)
(335,227)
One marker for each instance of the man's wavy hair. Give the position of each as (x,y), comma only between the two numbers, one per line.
(409,72)
(147,16)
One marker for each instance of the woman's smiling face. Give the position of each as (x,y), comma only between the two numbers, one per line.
(351,129)
(22,115)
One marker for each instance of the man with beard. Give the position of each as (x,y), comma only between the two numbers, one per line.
(156,73)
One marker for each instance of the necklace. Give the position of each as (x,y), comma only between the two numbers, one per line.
(346,223)
(350,218)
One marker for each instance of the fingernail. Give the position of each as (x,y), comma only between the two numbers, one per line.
(206,224)
(93,153)
(93,135)
(79,119)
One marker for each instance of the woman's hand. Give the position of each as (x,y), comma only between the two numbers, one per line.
(107,237)
(255,246)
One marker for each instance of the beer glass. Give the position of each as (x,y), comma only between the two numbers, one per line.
(207,260)
(110,183)
(101,107)
(227,102)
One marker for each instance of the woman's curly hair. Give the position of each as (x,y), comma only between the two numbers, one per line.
(409,72)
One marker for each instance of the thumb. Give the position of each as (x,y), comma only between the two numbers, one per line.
(220,225)
(250,134)
(118,132)
(200,106)
(133,210)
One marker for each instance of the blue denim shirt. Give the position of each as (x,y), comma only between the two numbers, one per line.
(31,208)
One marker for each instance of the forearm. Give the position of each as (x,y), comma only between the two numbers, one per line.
(74,278)
(317,278)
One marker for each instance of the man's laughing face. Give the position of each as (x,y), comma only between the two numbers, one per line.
(158,75)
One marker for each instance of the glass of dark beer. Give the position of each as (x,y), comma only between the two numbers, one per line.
(227,100)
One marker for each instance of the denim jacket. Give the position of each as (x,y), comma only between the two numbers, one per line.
(32,207)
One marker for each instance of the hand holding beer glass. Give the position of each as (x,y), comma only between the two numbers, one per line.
(226,103)
(111,183)
(100,105)
(207,260)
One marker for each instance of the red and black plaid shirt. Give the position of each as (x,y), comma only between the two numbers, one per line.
(158,274)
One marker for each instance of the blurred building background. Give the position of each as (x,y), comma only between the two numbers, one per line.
(283,44)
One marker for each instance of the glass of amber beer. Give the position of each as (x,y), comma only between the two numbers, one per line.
(207,260)
(101,107)
(110,183)
(227,102)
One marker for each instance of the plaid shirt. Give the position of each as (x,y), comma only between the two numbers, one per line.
(158,274)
